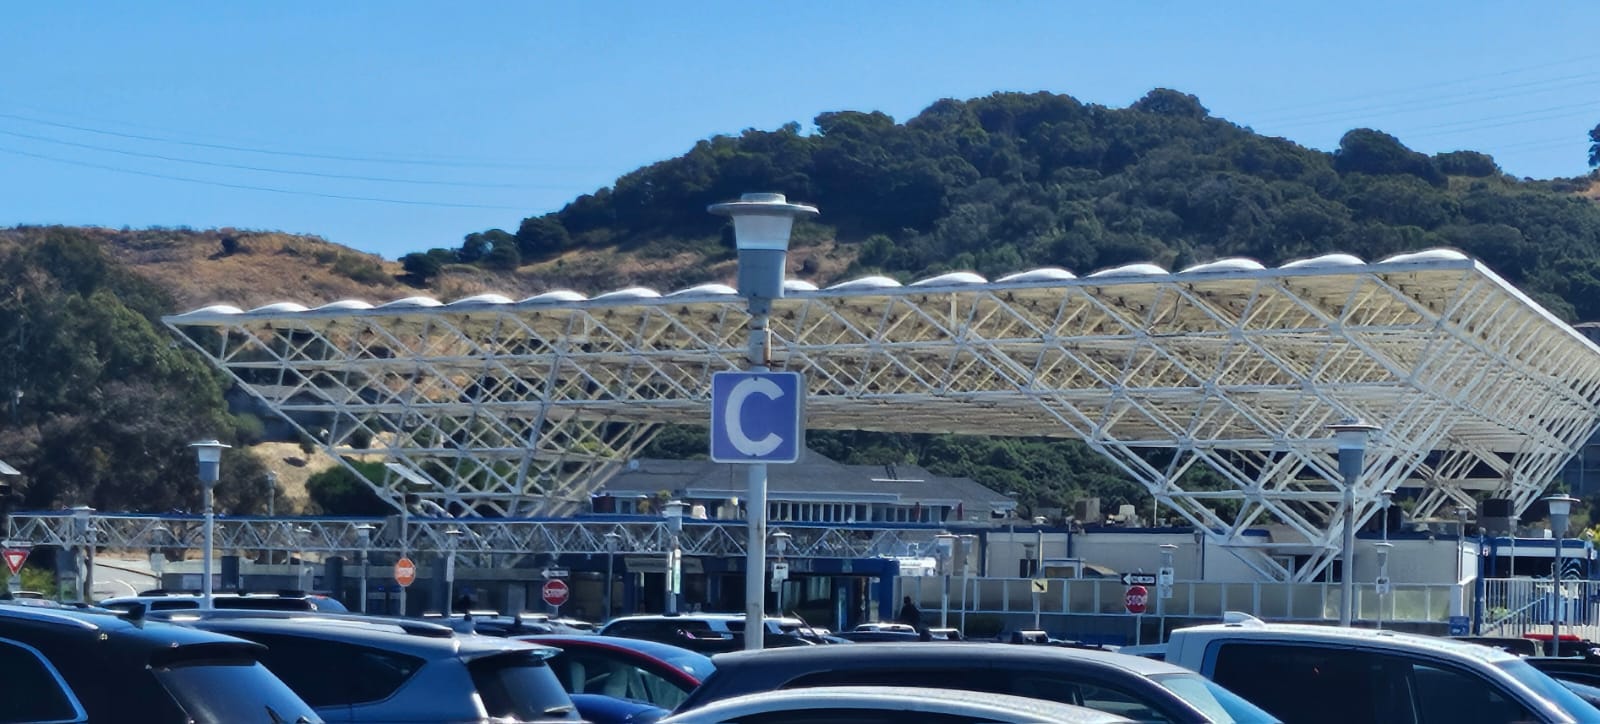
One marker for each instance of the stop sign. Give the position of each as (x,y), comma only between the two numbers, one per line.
(405,572)
(1136,598)
(555,592)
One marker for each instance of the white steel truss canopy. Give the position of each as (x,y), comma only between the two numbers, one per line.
(499,407)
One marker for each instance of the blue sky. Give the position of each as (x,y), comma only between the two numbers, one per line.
(397,126)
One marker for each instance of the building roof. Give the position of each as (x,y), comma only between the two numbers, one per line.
(814,478)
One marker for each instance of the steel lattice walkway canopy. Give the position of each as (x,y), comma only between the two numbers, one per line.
(500,407)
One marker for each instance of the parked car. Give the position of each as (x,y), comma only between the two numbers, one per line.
(493,623)
(707,633)
(1337,674)
(648,671)
(158,600)
(889,705)
(1140,689)
(69,665)
(372,671)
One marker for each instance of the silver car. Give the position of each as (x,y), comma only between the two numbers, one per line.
(889,705)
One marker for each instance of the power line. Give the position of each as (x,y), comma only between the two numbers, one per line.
(265,151)
(264,169)
(1430,86)
(251,187)
(1432,103)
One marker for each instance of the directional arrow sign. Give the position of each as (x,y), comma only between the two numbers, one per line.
(1138,579)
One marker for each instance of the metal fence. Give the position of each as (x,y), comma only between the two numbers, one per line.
(1302,602)
(1517,606)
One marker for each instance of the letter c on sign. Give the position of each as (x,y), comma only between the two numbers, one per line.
(742,442)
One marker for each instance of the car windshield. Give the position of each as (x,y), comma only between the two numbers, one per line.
(232,690)
(1216,702)
(1550,690)
(519,685)
(697,665)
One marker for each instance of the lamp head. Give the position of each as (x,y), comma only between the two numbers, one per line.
(1560,504)
(612,541)
(1352,434)
(209,454)
(761,227)
(780,541)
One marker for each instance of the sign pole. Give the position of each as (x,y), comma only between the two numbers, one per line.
(762,223)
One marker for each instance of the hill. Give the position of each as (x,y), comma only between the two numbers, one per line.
(103,402)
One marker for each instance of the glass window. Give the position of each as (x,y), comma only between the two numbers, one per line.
(232,690)
(1550,689)
(1211,698)
(1300,682)
(520,686)
(593,672)
(30,688)
(327,673)
(1107,699)
(1446,696)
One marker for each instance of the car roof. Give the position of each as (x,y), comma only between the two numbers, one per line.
(387,636)
(949,653)
(1000,707)
(1254,630)
(699,617)
(92,623)
(653,648)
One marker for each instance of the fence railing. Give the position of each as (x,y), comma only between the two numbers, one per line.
(1517,606)
(1305,602)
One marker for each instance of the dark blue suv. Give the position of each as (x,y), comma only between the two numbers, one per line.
(70,665)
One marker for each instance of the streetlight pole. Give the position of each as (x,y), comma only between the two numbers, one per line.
(364,534)
(1351,437)
(1383,557)
(1164,581)
(453,540)
(946,543)
(301,535)
(209,455)
(611,562)
(674,512)
(780,545)
(1560,507)
(761,227)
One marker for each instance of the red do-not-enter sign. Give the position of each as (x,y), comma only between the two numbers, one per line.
(555,592)
(405,572)
(1136,599)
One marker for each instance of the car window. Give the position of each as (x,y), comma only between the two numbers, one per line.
(30,688)
(1547,688)
(1445,696)
(1320,685)
(519,685)
(232,690)
(173,604)
(593,672)
(264,603)
(1121,703)
(331,673)
(1211,698)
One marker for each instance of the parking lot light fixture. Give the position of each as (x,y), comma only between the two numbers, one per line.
(762,224)
(209,455)
(1560,508)
(1351,438)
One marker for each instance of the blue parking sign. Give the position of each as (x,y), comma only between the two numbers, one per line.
(757,417)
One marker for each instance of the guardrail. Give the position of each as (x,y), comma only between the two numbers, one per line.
(1518,606)
(1274,601)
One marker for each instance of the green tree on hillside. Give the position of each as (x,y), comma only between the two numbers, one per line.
(1594,146)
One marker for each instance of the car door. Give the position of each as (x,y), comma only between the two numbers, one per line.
(334,677)
(31,690)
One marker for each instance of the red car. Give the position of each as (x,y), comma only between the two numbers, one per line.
(646,671)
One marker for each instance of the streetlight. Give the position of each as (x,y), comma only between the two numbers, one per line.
(780,545)
(612,539)
(674,513)
(1560,507)
(1383,556)
(1382,549)
(453,539)
(946,543)
(209,455)
(1351,437)
(1199,554)
(302,534)
(761,227)
(1164,581)
(1462,512)
(364,535)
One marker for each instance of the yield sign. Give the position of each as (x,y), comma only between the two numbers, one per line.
(15,557)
